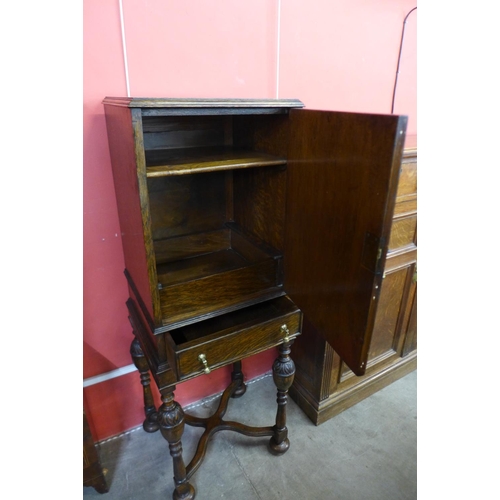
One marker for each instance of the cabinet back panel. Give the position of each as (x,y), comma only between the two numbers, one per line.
(260,196)
(259,203)
(267,134)
(161,132)
(182,205)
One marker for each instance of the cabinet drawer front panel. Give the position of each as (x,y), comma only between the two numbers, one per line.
(403,232)
(237,341)
(407,180)
(386,332)
(406,205)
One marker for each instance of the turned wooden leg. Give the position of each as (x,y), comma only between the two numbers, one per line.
(283,374)
(171,420)
(237,374)
(151,422)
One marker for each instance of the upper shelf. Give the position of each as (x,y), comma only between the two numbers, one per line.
(163,162)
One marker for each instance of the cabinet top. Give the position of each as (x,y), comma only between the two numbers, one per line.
(164,102)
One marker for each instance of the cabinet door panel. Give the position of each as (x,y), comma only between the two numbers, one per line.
(343,173)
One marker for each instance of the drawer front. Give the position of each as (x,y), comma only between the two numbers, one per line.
(237,345)
(403,232)
(407,179)
(406,205)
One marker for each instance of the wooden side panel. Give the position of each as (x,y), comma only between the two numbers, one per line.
(343,173)
(121,139)
(317,368)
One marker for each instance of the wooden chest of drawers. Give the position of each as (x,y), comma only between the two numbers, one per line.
(324,386)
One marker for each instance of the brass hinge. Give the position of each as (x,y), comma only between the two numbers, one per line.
(373,248)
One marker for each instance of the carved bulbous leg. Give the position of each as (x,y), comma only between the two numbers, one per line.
(283,374)
(237,374)
(171,420)
(151,422)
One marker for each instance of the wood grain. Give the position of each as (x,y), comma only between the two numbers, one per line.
(342,178)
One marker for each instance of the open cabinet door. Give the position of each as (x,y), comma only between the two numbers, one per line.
(343,171)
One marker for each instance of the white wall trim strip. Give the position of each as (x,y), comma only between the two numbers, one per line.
(103,377)
(124,44)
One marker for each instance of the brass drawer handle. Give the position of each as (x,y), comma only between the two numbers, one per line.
(286,333)
(203,359)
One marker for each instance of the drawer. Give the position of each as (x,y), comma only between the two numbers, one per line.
(230,337)
(403,232)
(407,180)
(405,205)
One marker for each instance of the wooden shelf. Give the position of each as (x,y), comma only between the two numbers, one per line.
(163,162)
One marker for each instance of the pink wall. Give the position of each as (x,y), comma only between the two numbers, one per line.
(338,55)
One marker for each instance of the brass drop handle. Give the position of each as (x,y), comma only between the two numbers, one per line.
(203,359)
(286,333)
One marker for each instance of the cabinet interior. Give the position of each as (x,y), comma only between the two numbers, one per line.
(217,207)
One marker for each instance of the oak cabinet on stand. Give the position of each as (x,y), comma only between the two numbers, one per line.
(240,219)
(324,385)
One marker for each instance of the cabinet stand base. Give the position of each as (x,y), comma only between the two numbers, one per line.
(216,423)
(170,417)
